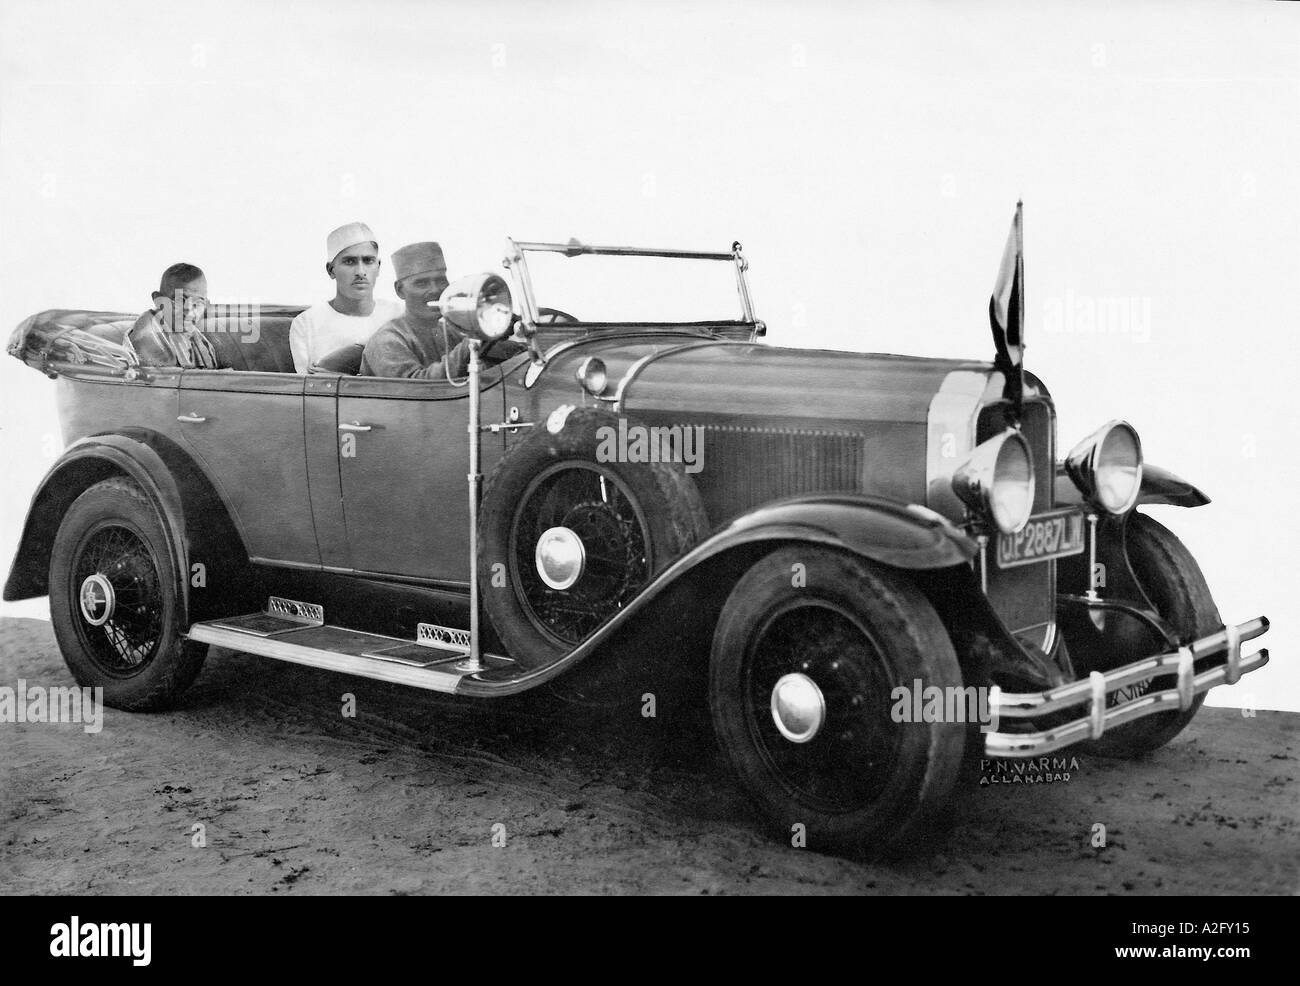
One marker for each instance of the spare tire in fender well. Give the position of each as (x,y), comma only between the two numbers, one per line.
(627,520)
(920,541)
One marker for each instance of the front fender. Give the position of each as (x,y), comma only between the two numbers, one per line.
(903,536)
(84,463)
(882,530)
(1158,486)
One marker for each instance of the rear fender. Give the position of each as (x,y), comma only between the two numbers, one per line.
(194,518)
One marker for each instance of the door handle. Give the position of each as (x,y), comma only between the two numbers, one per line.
(191,418)
(355,426)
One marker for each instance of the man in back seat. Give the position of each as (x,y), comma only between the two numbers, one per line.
(353,314)
(169,333)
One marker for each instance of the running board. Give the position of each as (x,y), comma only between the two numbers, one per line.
(297,633)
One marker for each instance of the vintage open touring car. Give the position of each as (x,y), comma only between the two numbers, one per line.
(849,528)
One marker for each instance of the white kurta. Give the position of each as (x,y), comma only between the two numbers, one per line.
(320,330)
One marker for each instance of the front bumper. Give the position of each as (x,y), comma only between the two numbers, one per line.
(1094,690)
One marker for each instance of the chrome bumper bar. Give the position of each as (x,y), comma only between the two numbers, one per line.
(1092,692)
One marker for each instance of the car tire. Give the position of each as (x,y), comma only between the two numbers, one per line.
(634,518)
(863,782)
(1172,580)
(115,600)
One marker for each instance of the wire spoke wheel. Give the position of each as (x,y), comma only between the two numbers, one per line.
(128,636)
(577,533)
(116,599)
(596,506)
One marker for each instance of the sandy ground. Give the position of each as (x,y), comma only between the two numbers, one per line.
(405,797)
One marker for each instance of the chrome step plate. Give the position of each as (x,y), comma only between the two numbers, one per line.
(279,616)
(367,655)
(444,638)
(309,613)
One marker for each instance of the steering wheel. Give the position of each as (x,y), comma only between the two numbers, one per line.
(553,316)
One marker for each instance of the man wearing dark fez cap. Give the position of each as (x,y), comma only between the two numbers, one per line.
(169,334)
(414,343)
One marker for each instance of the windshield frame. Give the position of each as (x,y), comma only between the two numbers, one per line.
(516,263)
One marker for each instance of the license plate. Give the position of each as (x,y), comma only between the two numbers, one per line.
(1058,534)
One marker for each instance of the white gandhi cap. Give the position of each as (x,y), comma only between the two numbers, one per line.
(345,236)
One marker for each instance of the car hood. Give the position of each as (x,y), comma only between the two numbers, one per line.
(724,379)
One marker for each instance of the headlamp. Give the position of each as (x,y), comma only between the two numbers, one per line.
(1107,467)
(479,306)
(998,481)
(592,375)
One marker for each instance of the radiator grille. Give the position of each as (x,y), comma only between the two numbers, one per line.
(745,467)
(1037,426)
(1025,596)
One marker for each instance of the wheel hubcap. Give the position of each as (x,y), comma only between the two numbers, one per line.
(97,600)
(817,694)
(560,557)
(119,598)
(798,707)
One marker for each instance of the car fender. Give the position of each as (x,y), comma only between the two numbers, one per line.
(906,536)
(173,483)
(1158,486)
(901,535)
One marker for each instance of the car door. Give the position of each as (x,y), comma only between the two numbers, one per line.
(246,430)
(403,458)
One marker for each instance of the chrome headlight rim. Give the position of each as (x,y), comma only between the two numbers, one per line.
(479,306)
(985,474)
(593,376)
(1086,464)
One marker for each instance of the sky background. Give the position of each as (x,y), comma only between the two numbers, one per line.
(869,157)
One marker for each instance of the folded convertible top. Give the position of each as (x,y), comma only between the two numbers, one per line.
(80,337)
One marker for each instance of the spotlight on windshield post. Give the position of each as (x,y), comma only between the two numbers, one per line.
(479,306)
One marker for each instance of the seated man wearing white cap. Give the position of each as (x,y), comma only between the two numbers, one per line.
(353,314)
(414,343)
